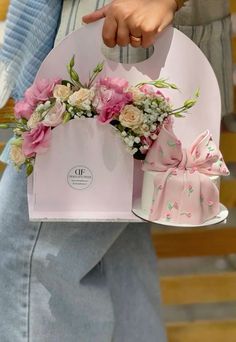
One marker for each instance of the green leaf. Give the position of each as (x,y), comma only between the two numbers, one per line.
(189,103)
(74,76)
(65,82)
(72,62)
(98,68)
(197,93)
(67,117)
(4,126)
(29,169)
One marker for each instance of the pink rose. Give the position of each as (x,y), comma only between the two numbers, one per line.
(23,109)
(149,89)
(110,98)
(40,91)
(118,84)
(36,141)
(54,116)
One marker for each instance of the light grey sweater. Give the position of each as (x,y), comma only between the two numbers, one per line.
(200,12)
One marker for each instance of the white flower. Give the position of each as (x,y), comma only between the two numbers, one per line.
(134,150)
(47,104)
(137,140)
(54,116)
(16,155)
(82,99)
(40,107)
(130,143)
(145,127)
(153,128)
(61,92)
(131,117)
(138,96)
(34,120)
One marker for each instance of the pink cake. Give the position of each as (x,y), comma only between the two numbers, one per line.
(181,186)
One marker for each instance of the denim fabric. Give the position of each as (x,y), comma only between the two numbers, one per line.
(74,282)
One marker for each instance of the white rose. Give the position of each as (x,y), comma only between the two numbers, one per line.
(81,98)
(16,155)
(54,116)
(131,117)
(138,96)
(61,92)
(34,120)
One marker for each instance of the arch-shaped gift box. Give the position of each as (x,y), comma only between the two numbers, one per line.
(87,174)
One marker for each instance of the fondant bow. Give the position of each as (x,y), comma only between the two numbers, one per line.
(183,191)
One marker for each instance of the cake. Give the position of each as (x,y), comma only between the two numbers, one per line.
(181,186)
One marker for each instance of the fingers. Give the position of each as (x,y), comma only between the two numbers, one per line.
(126,21)
(165,23)
(109,31)
(94,16)
(123,35)
(135,36)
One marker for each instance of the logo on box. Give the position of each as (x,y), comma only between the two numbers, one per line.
(80,177)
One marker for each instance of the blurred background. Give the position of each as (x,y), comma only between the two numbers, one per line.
(197,266)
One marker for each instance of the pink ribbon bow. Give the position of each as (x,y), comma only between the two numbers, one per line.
(183,191)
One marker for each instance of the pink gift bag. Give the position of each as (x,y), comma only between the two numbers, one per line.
(87,174)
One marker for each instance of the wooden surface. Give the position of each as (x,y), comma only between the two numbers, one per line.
(228,146)
(202,331)
(7,112)
(228,192)
(2,166)
(199,288)
(196,242)
(233,5)
(3,9)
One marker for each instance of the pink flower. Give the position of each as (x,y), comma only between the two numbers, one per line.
(36,141)
(110,98)
(210,203)
(54,116)
(23,109)
(176,206)
(40,91)
(118,84)
(149,89)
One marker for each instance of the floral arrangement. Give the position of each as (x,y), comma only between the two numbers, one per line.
(136,112)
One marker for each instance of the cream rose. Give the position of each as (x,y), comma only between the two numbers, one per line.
(61,92)
(54,116)
(81,98)
(16,155)
(137,95)
(34,120)
(131,117)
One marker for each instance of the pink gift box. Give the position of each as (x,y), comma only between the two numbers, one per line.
(87,174)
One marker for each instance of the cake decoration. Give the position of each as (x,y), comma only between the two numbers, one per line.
(184,189)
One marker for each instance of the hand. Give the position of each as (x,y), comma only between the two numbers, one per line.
(135,22)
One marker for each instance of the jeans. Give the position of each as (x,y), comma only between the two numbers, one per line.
(74,282)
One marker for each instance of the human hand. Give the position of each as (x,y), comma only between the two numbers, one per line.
(135,22)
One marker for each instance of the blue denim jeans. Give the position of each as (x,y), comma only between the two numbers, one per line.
(74,282)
